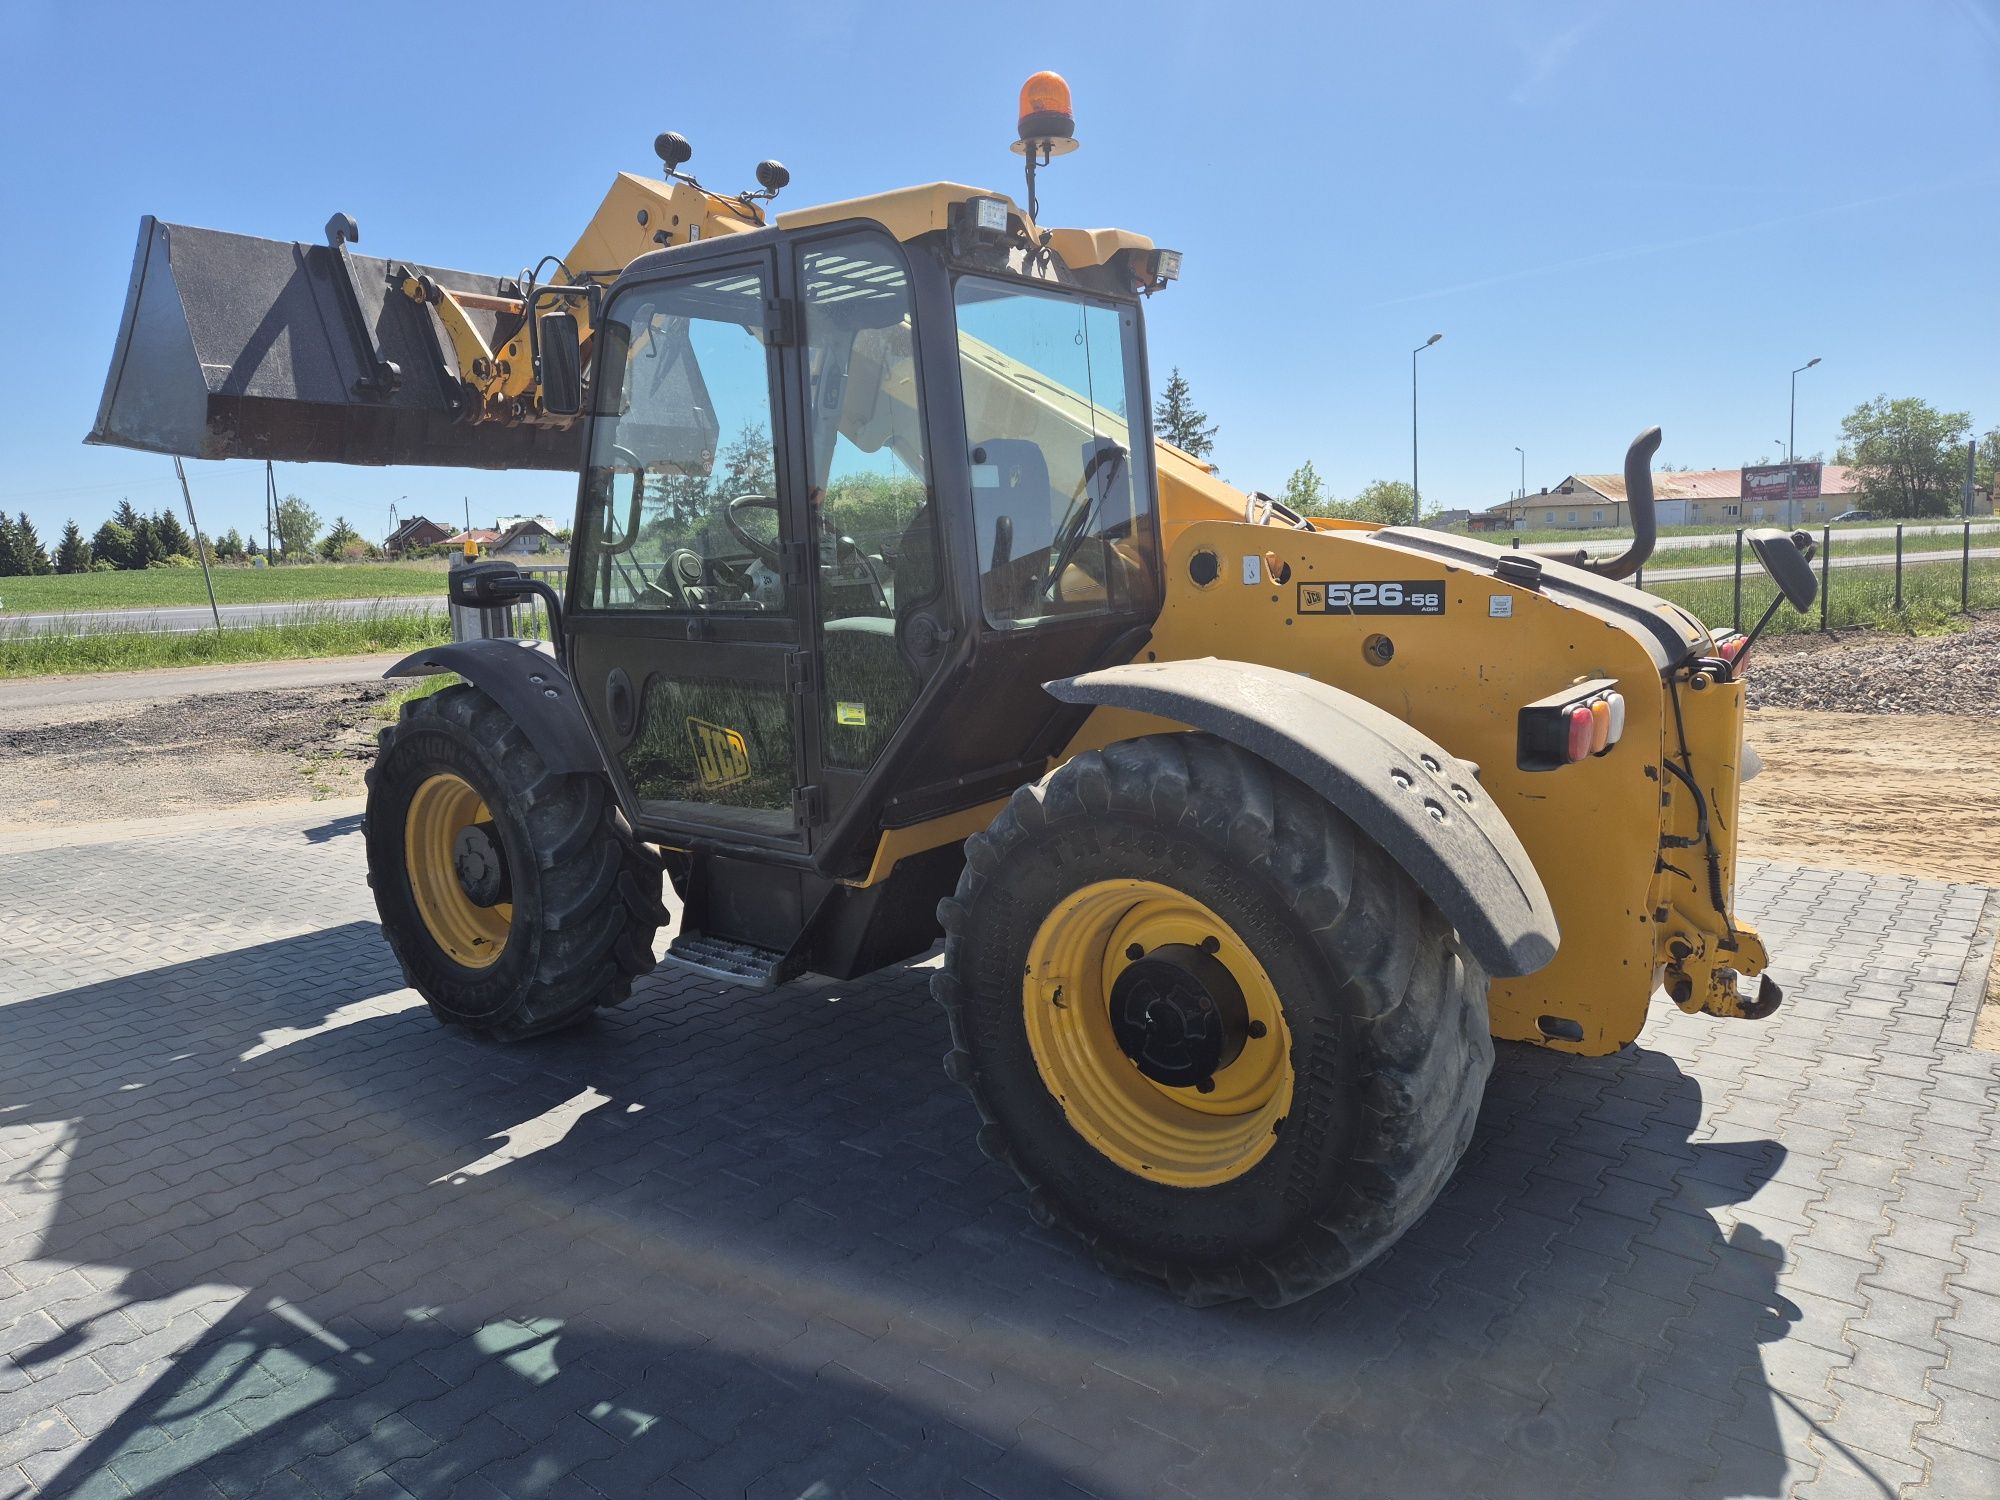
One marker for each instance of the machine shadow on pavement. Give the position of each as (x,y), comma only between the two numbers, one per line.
(286,1231)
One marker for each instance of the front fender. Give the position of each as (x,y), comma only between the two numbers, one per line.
(1420,803)
(523,679)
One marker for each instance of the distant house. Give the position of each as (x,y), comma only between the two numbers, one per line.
(482,537)
(1723,498)
(418,531)
(525,539)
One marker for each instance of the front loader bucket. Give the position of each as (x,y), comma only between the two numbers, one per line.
(237,347)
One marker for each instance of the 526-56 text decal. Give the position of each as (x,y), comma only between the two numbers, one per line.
(1422,597)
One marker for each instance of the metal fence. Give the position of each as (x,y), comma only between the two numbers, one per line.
(1860,577)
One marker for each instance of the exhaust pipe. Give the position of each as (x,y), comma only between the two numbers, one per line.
(237,347)
(1645,523)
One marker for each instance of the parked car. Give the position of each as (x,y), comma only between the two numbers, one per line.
(1855,515)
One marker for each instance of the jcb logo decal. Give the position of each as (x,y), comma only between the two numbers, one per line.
(720,754)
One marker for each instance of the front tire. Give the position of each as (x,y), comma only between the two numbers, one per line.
(512,896)
(1291,1080)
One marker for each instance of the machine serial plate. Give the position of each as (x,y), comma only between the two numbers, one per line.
(1417,597)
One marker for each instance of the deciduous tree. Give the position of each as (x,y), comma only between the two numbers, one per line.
(1909,456)
(1305,491)
(298,527)
(112,545)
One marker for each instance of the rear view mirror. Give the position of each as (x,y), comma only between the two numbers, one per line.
(561,356)
(1787,563)
(484,585)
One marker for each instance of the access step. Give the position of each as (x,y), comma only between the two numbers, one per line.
(732,962)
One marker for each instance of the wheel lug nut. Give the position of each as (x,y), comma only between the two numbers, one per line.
(1210,944)
(1204,1085)
(1135,952)
(1257,1029)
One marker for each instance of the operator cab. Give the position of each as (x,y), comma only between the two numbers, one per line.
(848,502)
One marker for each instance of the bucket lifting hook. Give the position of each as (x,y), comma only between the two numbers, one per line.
(342,231)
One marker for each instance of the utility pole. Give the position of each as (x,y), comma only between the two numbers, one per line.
(1416,494)
(1521,495)
(270,510)
(200,547)
(1791,447)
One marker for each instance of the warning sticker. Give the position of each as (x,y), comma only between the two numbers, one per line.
(1418,597)
(1500,606)
(851,713)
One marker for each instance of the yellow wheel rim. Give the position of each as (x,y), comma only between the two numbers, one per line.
(1179,1136)
(472,935)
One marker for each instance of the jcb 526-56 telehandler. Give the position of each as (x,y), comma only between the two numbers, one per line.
(888,613)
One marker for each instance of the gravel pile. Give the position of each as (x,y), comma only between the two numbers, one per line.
(1883,674)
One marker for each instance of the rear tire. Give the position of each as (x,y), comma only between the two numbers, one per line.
(1384,1021)
(585,895)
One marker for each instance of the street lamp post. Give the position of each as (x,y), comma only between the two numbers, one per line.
(1521,498)
(1416,494)
(1791,447)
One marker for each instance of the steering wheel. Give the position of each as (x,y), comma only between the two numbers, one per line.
(768,554)
(1069,536)
(762,550)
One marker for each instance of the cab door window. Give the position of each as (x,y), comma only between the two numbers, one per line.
(871,498)
(682,485)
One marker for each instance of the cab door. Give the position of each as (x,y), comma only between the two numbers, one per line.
(690,591)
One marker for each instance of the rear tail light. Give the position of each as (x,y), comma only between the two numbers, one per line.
(1580,721)
(1581,731)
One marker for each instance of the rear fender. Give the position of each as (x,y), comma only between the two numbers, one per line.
(524,680)
(1421,804)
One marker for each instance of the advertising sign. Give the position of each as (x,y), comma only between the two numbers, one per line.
(1768,482)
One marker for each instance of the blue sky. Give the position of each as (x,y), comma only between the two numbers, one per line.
(1616,214)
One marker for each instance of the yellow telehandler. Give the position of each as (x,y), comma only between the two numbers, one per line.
(888,616)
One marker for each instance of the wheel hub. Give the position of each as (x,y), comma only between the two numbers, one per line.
(1179,1015)
(480,865)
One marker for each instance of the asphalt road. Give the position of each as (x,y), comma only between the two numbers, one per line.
(184,619)
(187,619)
(1843,534)
(1865,560)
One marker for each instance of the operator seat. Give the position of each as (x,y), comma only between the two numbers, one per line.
(1016,487)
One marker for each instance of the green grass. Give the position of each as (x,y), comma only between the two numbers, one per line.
(1605,538)
(1857,597)
(1698,557)
(165,588)
(330,634)
(391,707)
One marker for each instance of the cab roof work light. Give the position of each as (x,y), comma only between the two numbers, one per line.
(1582,720)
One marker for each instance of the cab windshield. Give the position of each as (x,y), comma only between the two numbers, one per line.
(1062,478)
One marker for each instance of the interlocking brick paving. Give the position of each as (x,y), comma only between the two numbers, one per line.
(266,1229)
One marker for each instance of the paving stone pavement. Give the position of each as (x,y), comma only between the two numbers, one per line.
(267,1230)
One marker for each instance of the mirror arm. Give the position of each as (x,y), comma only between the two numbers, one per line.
(1743,654)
